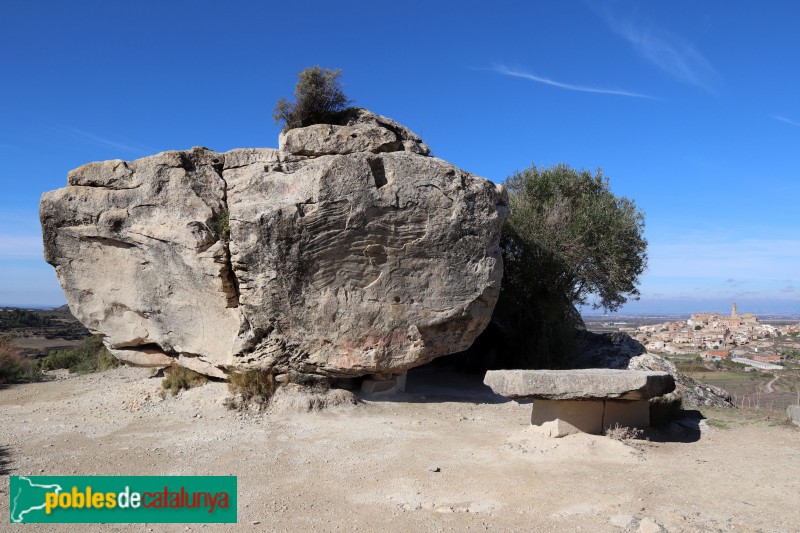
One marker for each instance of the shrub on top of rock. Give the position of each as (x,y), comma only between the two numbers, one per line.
(318,98)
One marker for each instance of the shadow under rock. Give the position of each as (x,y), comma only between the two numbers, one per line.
(430,384)
(4,461)
(686,427)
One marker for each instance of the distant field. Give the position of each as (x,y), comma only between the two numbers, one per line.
(749,388)
(38,331)
(679,358)
(41,344)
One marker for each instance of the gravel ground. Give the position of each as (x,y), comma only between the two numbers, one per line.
(445,456)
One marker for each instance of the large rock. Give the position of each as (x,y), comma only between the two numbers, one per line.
(693,393)
(360,131)
(339,255)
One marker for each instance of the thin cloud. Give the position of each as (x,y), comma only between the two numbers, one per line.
(671,53)
(785,120)
(105,142)
(789,288)
(561,85)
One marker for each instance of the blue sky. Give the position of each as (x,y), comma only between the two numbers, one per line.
(691,108)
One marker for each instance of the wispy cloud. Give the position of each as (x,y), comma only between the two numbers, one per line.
(118,143)
(785,120)
(500,69)
(669,52)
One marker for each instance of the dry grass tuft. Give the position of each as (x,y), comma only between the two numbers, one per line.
(623,433)
(252,388)
(178,378)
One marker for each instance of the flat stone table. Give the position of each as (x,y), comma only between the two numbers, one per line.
(589,401)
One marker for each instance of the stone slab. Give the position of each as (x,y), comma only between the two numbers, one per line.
(585,384)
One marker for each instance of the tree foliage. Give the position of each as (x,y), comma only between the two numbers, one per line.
(570,234)
(568,238)
(318,97)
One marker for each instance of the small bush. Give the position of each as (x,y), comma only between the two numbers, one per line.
(252,387)
(90,355)
(318,98)
(14,367)
(178,378)
(220,224)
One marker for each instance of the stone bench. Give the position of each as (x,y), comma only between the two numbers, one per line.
(589,401)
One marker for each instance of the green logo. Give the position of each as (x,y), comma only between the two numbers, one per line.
(122,499)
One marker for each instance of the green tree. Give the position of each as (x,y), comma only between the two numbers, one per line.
(568,239)
(574,235)
(318,98)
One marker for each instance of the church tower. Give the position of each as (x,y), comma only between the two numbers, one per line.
(733,311)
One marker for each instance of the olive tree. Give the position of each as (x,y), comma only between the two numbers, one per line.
(575,236)
(568,241)
(318,98)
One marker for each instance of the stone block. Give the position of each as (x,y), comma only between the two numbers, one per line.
(582,415)
(558,418)
(624,413)
(557,428)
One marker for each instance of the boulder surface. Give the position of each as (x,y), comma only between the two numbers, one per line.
(349,251)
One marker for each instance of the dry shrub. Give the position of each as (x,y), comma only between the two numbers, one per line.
(14,367)
(178,377)
(318,98)
(250,388)
(623,433)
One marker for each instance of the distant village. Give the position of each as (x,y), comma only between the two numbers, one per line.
(740,338)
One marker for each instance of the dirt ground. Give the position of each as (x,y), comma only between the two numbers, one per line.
(373,467)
